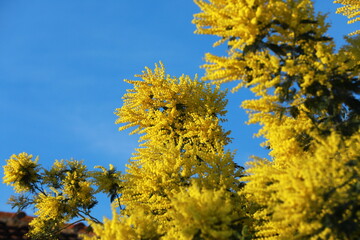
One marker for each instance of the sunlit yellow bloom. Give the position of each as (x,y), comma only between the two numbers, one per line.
(134,227)
(182,141)
(49,207)
(351,9)
(21,172)
(312,196)
(280,51)
(206,213)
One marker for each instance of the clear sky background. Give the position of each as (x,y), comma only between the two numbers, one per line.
(62,65)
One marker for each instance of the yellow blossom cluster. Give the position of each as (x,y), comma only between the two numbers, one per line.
(20,171)
(315,197)
(196,213)
(50,216)
(182,141)
(136,226)
(108,181)
(60,194)
(205,214)
(351,9)
(285,66)
(306,102)
(181,159)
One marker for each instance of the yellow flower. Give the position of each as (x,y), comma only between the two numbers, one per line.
(49,207)
(137,226)
(206,213)
(351,9)
(21,172)
(108,181)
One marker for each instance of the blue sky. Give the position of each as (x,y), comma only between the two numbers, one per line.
(62,65)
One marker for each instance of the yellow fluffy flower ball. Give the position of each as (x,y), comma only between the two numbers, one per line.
(20,172)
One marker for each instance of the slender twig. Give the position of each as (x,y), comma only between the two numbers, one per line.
(68,225)
(118,199)
(39,189)
(88,216)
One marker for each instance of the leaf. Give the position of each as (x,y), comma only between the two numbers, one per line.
(279,50)
(310,35)
(294,112)
(308,21)
(324,39)
(280,24)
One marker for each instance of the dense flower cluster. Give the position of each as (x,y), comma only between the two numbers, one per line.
(60,194)
(351,9)
(21,172)
(182,142)
(308,107)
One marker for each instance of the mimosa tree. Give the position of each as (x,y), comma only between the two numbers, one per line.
(182,142)
(308,106)
(181,183)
